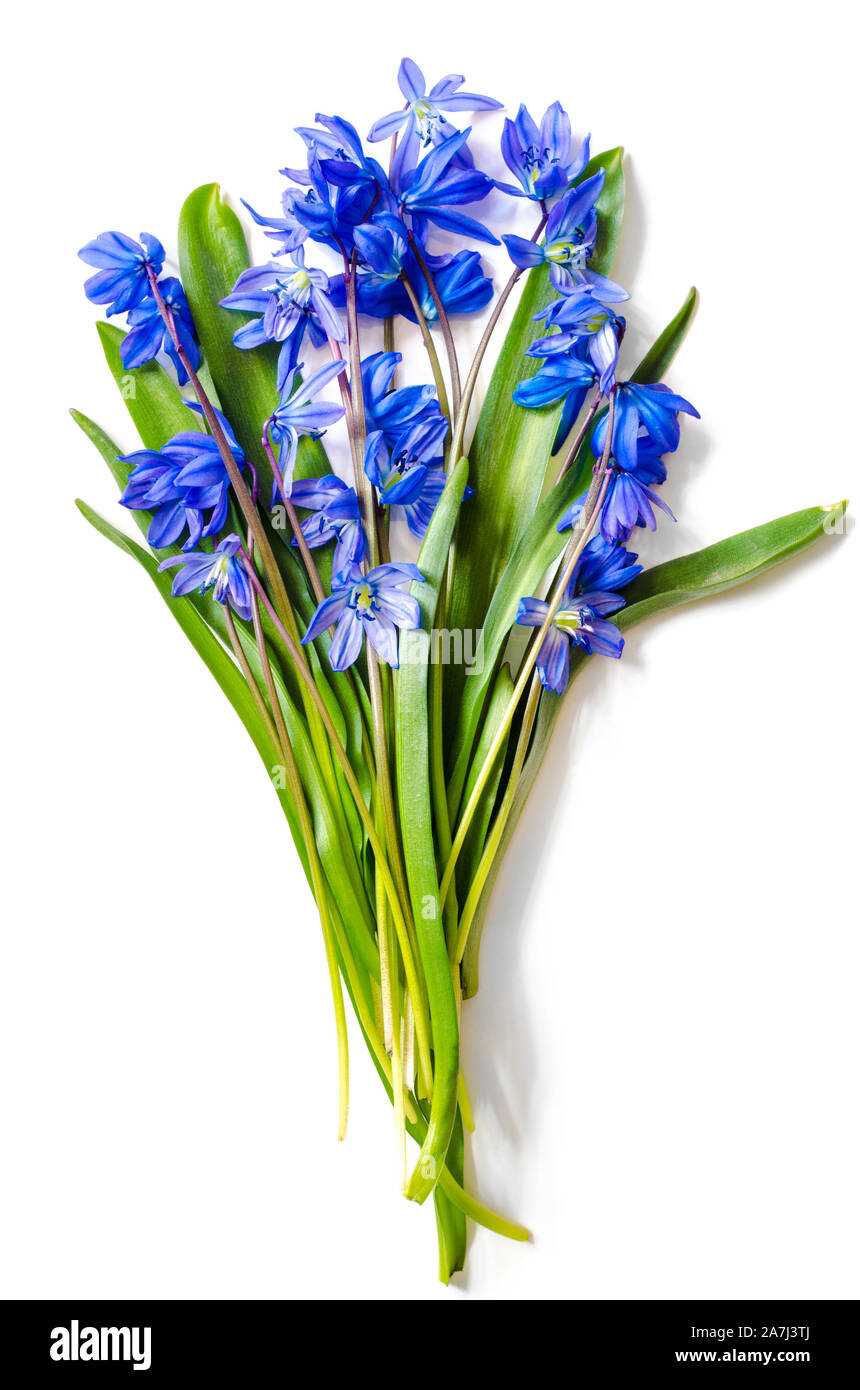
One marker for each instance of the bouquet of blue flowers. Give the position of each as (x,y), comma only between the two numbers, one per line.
(402,703)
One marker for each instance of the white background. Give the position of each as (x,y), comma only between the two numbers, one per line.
(663,1055)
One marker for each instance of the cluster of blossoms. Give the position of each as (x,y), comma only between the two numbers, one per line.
(400,793)
(379,224)
(127,282)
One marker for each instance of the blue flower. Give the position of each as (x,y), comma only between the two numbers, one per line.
(336,515)
(604,566)
(122,281)
(423,119)
(393,412)
(580,622)
(369,604)
(630,498)
(461,284)
(377,296)
(646,427)
(408,474)
(541,158)
(569,378)
(149,335)
(460,281)
(432,191)
(219,571)
(335,139)
(297,414)
(291,301)
(180,483)
(652,408)
(383,245)
(344,165)
(568,243)
(288,230)
(331,213)
(583,319)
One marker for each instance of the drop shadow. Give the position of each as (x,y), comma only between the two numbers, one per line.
(634,228)
(500,1063)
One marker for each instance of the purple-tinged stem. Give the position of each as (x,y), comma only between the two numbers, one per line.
(237,482)
(580,437)
(367,499)
(430,346)
(363,486)
(471,381)
(444,323)
(578,540)
(283,746)
(404,932)
(337,356)
(301,542)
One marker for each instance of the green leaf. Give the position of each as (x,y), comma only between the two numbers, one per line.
(155,403)
(511,448)
(473,845)
(451,1226)
(538,548)
(210,611)
(416,820)
(660,356)
(110,453)
(725,565)
(213,253)
(208,647)
(157,409)
(340,700)
(344,878)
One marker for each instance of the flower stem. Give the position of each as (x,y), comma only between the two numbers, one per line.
(581,532)
(444,324)
(367,499)
(282,605)
(431,348)
(237,482)
(386,796)
(580,438)
(471,1207)
(422,1029)
(462,411)
(363,485)
(301,542)
(491,848)
(294,783)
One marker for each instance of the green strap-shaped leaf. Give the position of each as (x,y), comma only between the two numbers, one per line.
(154,398)
(705,572)
(497,705)
(208,647)
(661,354)
(416,821)
(345,883)
(451,1226)
(538,548)
(213,253)
(211,612)
(156,406)
(110,453)
(509,453)
(155,403)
